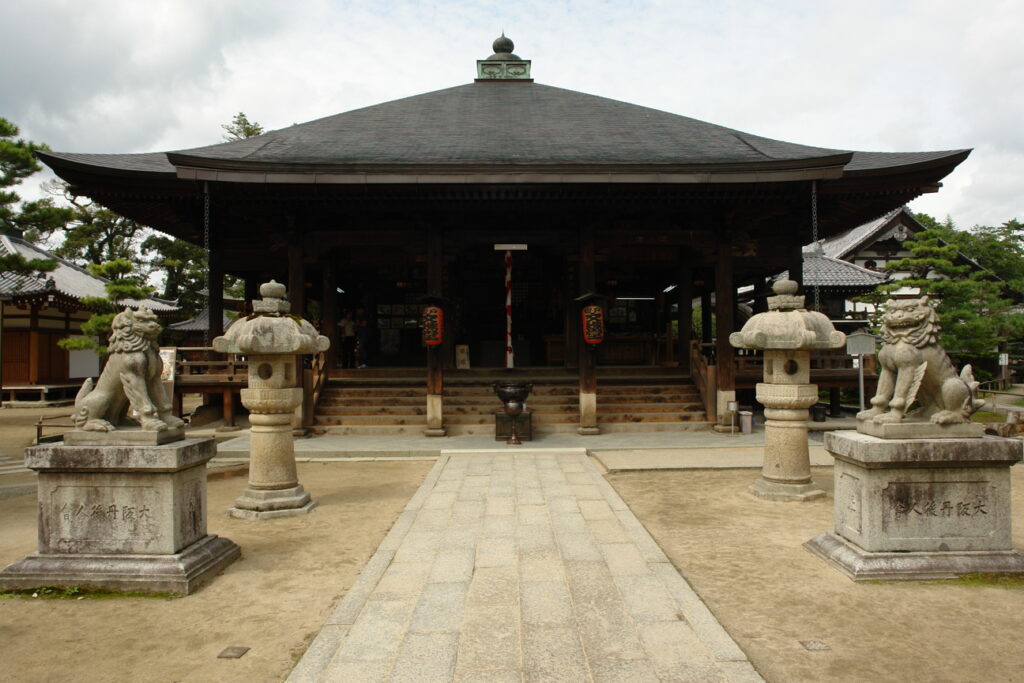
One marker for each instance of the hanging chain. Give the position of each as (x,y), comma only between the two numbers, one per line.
(814,238)
(206,248)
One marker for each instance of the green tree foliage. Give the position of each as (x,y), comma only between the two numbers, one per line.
(16,263)
(31,220)
(973,310)
(96,234)
(183,266)
(121,284)
(241,127)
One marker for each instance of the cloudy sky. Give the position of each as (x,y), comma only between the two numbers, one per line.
(879,75)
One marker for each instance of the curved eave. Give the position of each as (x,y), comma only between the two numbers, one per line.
(193,168)
(148,165)
(869,164)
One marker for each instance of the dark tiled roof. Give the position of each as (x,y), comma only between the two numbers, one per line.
(827,272)
(152,162)
(847,243)
(200,323)
(507,123)
(880,161)
(504,124)
(68,279)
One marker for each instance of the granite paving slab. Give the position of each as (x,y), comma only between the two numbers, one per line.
(520,566)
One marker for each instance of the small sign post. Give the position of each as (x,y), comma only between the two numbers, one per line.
(860,344)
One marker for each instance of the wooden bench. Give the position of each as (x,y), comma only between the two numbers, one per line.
(35,395)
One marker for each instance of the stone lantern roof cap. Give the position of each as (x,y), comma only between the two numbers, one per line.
(787,325)
(271,329)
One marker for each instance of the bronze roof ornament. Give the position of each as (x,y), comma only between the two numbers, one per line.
(503,65)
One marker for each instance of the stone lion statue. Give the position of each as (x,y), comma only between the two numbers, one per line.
(914,366)
(131,377)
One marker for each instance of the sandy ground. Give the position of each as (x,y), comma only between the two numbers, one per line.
(741,554)
(273,600)
(744,557)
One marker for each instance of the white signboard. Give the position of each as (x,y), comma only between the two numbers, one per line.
(462,356)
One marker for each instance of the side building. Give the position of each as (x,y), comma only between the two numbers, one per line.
(36,313)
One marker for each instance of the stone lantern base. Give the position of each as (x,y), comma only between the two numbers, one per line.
(782,491)
(270,504)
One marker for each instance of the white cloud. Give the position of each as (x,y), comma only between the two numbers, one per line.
(890,76)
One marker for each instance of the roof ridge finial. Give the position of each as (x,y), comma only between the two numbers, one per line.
(503,65)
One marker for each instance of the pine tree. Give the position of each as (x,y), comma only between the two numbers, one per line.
(974,315)
(31,220)
(121,285)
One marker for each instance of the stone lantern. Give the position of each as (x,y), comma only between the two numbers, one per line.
(787,333)
(271,338)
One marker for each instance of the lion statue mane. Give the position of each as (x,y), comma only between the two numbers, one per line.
(914,366)
(131,377)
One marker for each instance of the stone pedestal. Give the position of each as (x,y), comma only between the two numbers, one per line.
(920,509)
(435,416)
(122,517)
(588,414)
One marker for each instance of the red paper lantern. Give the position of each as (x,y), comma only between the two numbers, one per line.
(593,324)
(433,325)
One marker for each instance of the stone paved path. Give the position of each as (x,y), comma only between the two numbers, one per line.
(520,567)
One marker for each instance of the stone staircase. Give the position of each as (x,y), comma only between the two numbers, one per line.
(388,406)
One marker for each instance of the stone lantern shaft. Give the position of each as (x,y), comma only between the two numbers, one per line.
(787,334)
(271,338)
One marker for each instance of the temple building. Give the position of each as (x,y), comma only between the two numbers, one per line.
(432,197)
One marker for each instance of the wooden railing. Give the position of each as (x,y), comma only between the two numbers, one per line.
(828,368)
(314,380)
(203,365)
(703,375)
(995,385)
(825,366)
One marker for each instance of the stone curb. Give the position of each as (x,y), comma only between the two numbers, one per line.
(320,652)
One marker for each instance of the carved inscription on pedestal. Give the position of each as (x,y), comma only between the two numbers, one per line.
(99,519)
(954,509)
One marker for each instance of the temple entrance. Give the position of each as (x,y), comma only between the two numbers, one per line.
(479,304)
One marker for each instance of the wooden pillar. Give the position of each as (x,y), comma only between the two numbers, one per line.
(587,352)
(297,299)
(571,330)
(685,306)
(725,310)
(2,305)
(296,276)
(33,345)
(796,265)
(329,299)
(435,354)
(252,291)
(835,405)
(229,411)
